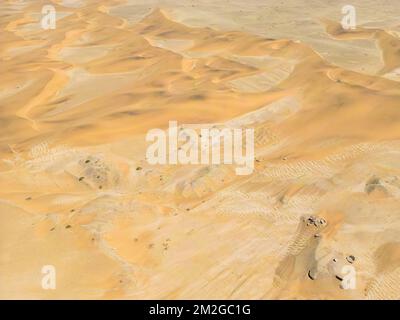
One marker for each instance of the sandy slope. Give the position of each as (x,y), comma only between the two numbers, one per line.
(76,191)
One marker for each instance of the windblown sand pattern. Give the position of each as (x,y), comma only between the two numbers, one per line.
(77,192)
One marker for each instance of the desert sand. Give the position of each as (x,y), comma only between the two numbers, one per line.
(77,193)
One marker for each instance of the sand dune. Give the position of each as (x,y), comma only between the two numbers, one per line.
(77,192)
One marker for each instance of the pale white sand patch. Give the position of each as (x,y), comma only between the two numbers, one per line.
(83,54)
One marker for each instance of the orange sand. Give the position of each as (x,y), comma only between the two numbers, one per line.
(77,102)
